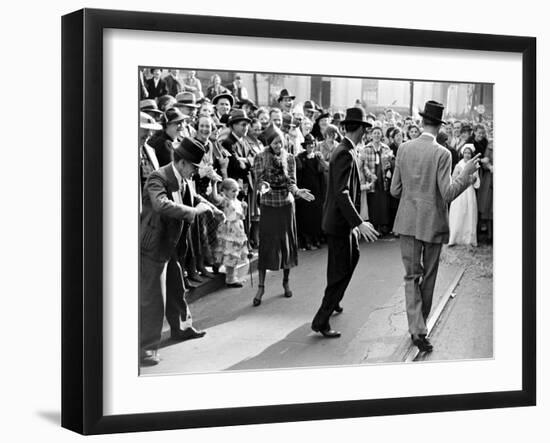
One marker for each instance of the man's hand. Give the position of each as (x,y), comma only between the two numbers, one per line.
(472,165)
(305,194)
(368,232)
(203,208)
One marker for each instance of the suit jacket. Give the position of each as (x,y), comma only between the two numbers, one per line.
(162,220)
(163,146)
(343,200)
(158,91)
(173,85)
(422,180)
(236,149)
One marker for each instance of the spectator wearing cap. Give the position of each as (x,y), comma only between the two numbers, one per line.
(275,176)
(463,210)
(150,107)
(163,141)
(166,102)
(173,85)
(192,84)
(187,104)
(238,167)
(215,88)
(156,86)
(310,175)
(147,158)
(169,206)
(237,89)
(247,106)
(310,109)
(286,101)
(222,105)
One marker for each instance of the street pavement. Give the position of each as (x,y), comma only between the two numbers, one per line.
(277,334)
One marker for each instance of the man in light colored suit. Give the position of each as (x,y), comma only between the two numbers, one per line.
(422,181)
(169,207)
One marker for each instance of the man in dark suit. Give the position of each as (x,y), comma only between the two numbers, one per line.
(169,207)
(341,220)
(156,86)
(422,181)
(238,167)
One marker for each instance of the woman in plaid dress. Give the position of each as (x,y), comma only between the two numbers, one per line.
(275,178)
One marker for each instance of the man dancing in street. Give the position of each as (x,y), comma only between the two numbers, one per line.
(422,181)
(341,220)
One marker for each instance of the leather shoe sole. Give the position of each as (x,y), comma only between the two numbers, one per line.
(423,344)
(149,358)
(338,309)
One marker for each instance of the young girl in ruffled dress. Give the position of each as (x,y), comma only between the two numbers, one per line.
(231,248)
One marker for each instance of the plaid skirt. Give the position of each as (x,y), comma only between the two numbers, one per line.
(278,248)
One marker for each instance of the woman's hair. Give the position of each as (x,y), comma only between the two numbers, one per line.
(379,128)
(332,131)
(394,132)
(479,126)
(413,125)
(228,184)
(165,102)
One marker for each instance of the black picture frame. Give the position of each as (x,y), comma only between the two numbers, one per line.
(82,218)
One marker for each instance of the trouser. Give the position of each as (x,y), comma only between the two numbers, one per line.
(343,256)
(421,261)
(157,279)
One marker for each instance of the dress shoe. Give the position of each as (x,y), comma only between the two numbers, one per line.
(338,309)
(149,358)
(422,343)
(288,292)
(205,273)
(257,301)
(235,284)
(194,277)
(186,334)
(327,332)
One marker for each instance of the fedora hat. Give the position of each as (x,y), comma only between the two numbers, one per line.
(356,115)
(308,140)
(174,115)
(237,115)
(229,97)
(190,150)
(433,111)
(186,99)
(149,106)
(247,101)
(309,105)
(284,94)
(148,122)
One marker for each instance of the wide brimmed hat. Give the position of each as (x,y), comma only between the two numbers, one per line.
(148,122)
(186,99)
(433,111)
(191,150)
(237,115)
(308,140)
(356,115)
(247,101)
(309,105)
(285,94)
(150,107)
(289,120)
(224,95)
(174,115)
(469,146)
(323,115)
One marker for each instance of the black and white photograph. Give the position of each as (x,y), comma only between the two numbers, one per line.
(306,221)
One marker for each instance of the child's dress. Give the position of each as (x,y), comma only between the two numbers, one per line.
(231,247)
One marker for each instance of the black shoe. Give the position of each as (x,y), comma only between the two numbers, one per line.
(236,284)
(205,273)
(194,277)
(288,292)
(257,301)
(186,334)
(149,358)
(338,309)
(422,343)
(327,332)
